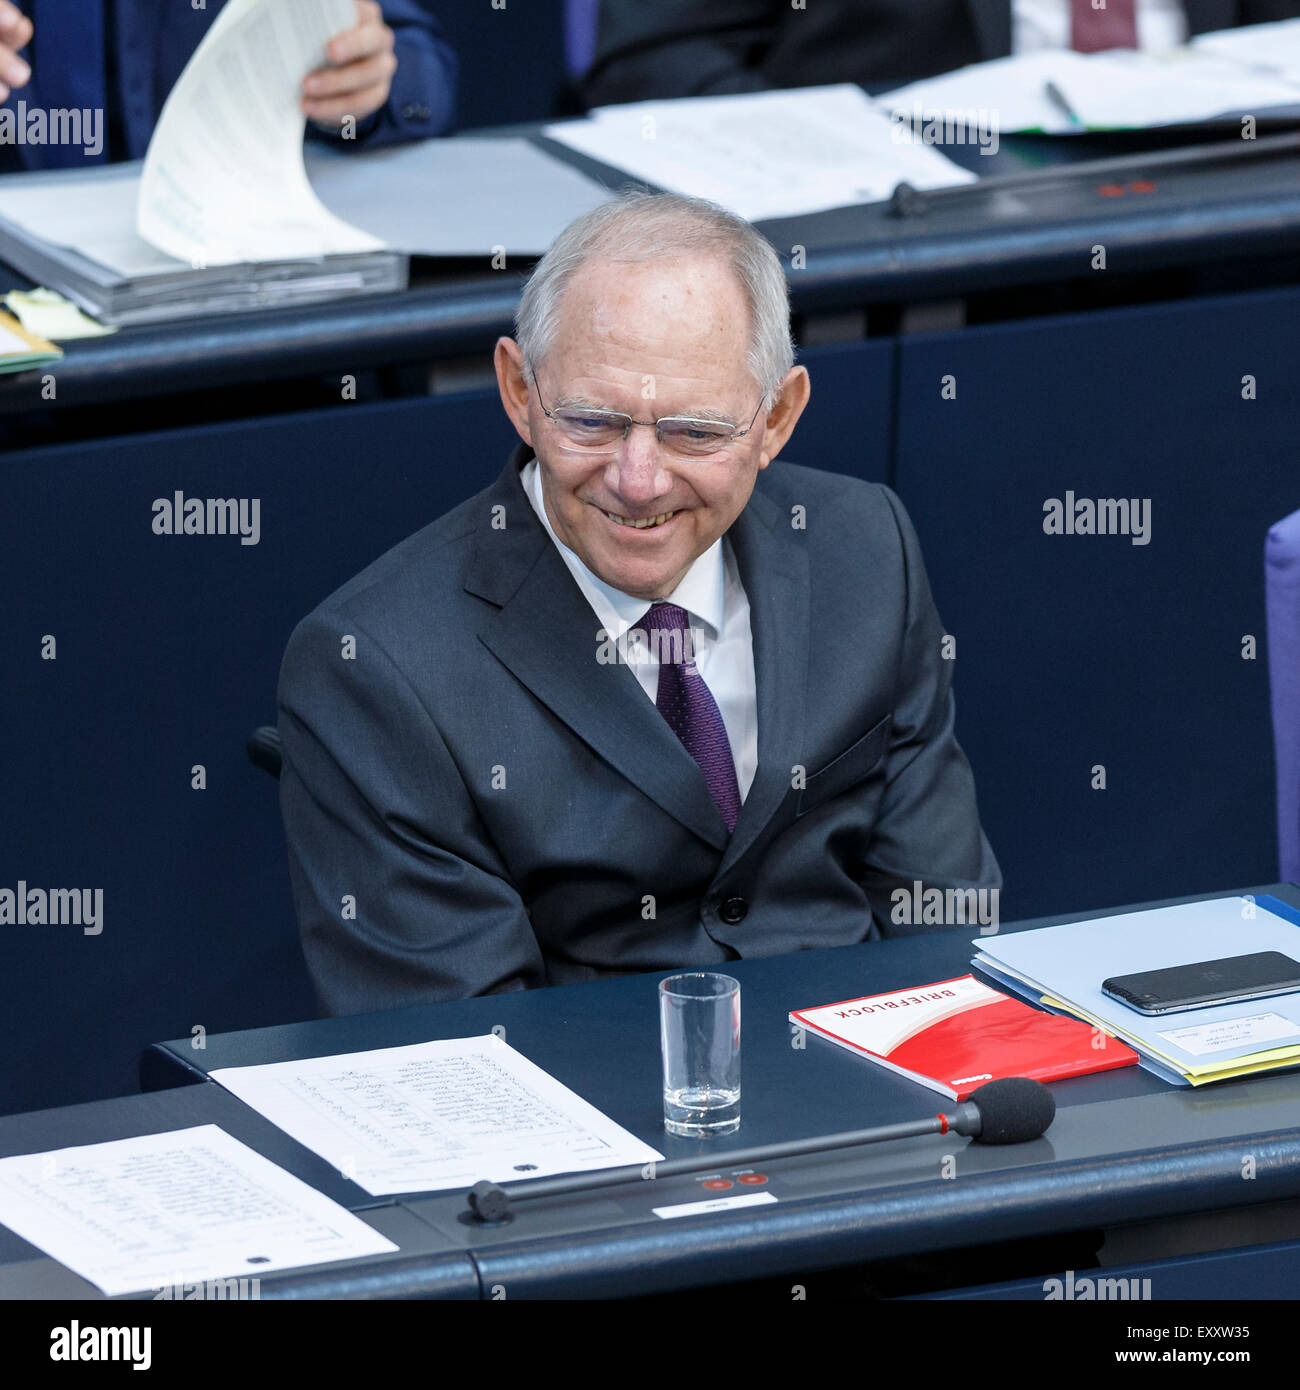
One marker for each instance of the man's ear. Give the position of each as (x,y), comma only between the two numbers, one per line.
(512,383)
(784,415)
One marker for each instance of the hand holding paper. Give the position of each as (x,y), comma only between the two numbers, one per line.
(224,180)
(15,33)
(360,72)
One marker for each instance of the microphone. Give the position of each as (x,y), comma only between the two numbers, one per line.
(1013,1110)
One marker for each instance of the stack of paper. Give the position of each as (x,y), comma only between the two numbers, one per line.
(76,231)
(1271,48)
(1059,92)
(222,216)
(1063,967)
(774,154)
(1128,90)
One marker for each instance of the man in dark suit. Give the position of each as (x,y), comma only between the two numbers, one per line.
(678,48)
(392,72)
(647,701)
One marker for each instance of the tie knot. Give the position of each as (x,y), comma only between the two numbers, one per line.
(665,617)
(668,626)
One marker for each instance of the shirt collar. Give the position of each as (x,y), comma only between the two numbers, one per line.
(700,592)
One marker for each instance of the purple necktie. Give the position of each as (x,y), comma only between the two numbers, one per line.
(689,707)
(1114,26)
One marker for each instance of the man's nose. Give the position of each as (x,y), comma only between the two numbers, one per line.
(636,471)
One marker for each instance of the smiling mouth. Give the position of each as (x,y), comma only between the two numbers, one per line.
(644,523)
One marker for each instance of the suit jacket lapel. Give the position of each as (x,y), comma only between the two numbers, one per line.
(545,634)
(773,567)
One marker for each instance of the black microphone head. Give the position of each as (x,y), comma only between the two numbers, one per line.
(1013,1110)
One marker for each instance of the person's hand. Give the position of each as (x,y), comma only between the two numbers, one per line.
(360,71)
(15,33)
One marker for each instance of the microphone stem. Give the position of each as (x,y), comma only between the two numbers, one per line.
(736,1158)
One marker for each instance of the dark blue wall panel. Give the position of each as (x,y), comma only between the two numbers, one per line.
(168,652)
(1081,650)
(846,427)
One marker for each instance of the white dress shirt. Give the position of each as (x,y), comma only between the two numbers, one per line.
(1039,24)
(712,594)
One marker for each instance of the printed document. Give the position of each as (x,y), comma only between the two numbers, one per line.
(181,1207)
(435,1115)
(773,154)
(224,180)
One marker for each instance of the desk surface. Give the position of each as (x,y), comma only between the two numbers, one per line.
(1124,1146)
(1034,218)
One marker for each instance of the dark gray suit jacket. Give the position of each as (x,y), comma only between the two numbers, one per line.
(474,802)
(674,48)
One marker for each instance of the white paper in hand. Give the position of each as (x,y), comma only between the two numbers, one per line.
(224,180)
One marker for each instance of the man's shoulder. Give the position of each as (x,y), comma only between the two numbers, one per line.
(843,502)
(420,572)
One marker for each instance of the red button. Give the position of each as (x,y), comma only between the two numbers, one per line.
(753,1179)
(1111,190)
(1142,186)
(717,1184)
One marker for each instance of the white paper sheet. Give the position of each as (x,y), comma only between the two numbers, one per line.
(1272,48)
(1129,90)
(435,1115)
(773,154)
(463,196)
(1004,94)
(1059,92)
(224,180)
(180,1207)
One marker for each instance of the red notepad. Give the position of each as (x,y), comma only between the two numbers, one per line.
(956,1035)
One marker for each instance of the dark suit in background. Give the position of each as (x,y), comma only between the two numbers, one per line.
(678,48)
(415,878)
(124,56)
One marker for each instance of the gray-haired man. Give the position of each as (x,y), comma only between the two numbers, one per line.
(646,701)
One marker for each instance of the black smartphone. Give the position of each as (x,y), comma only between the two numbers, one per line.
(1226,981)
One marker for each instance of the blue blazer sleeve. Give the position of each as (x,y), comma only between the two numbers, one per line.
(422,101)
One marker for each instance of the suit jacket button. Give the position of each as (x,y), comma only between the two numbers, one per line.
(733,911)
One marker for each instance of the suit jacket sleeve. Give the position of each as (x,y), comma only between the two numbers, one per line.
(678,48)
(928,827)
(377,815)
(422,100)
